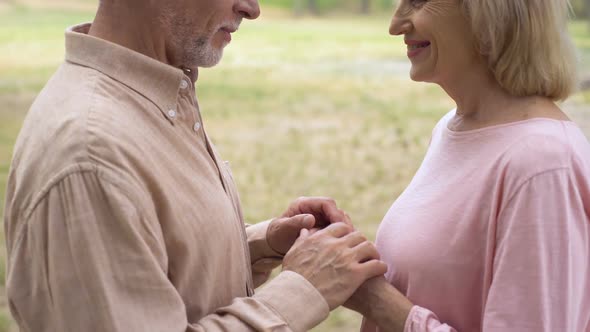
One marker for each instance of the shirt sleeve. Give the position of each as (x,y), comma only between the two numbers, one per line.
(540,280)
(263,258)
(91,257)
(540,276)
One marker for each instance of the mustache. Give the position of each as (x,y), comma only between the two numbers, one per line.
(231,26)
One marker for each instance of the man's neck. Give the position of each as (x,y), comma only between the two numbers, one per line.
(138,29)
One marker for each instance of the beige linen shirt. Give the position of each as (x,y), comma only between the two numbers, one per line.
(121,216)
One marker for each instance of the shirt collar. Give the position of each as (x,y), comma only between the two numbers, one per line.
(153,79)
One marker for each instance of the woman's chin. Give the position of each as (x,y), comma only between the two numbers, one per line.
(416,76)
(421,76)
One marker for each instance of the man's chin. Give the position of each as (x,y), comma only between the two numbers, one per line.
(210,59)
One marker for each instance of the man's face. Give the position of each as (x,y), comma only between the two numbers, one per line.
(200,29)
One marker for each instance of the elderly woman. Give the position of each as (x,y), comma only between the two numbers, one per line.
(493,232)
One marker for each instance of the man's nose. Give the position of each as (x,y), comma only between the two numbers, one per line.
(248,9)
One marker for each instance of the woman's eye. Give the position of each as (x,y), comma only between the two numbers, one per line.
(417,3)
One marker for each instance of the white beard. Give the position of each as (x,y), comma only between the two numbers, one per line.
(207,55)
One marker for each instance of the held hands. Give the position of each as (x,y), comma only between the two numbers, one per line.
(322,246)
(303,213)
(335,260)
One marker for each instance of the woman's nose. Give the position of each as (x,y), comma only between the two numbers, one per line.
(400,22)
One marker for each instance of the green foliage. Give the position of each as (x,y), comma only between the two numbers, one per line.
(579,9)
(5,322)
(331,6)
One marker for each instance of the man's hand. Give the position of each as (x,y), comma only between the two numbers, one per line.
(336,260)
(323,209)
(303,213)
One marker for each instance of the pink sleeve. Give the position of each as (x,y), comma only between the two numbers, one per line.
(419,320)
(541,273)
(423,320)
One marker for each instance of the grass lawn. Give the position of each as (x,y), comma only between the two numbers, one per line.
(298,106)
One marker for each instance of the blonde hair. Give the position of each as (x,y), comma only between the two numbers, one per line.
(526,44)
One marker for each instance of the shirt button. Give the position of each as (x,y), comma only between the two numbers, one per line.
(183,84)
(197,126)
(172,113)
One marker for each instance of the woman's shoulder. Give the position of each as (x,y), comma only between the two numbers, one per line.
(542,145)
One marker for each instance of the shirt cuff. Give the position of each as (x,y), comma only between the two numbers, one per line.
(259,248)
(421,320)
(296,300)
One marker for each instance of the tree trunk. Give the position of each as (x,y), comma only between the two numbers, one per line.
(366,6)
(298,7)
(312,6)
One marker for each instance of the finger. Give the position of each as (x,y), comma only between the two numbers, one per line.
(323,208)
(313,231)
(299,221)
(347,218)
(373,268)
(366,251)
(303,235)
(290,224)
(355,238)
(283,232)
(336,230)
(332,214)
(300,205)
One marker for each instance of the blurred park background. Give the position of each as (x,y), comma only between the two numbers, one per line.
(313,98)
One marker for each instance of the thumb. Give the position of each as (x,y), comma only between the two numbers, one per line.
(301,221)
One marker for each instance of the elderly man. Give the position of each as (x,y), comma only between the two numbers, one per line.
(121,215)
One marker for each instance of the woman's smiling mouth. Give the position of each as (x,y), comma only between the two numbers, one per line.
(415,47)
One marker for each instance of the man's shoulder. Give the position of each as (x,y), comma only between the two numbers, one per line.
(81,106)
(81,117)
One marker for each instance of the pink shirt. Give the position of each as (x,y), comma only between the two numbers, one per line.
(493,232)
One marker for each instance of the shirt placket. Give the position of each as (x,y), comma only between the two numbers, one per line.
(200,130)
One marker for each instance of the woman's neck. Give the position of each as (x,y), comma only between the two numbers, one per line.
(482,102)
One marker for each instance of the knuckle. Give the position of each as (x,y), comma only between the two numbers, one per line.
(336,225)
(361,236)
(298,201)
(274,225)
(357,237)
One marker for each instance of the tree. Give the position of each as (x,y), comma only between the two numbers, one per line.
(300,6)
(312,6)
(366,6)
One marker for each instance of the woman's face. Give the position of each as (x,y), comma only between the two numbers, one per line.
(439,39)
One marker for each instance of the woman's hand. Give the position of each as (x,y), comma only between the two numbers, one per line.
(381,303)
